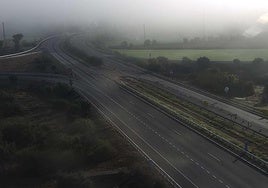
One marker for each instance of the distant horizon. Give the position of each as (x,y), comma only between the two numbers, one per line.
(166,20)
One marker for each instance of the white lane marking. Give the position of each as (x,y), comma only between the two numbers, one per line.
(214,176)
(146,126)
(220,181)
(178,133)
(178,185)
(214,157)
(150,115)
(131,114)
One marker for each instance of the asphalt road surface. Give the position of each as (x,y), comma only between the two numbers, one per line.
(243,117)
(188,159)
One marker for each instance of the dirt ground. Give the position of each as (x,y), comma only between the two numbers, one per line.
(19,64)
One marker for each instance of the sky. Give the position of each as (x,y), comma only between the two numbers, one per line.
(159,16)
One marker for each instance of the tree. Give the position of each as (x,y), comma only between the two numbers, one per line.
(147,43)
(186,60)
(130,45)
(153,65)
(16,39)
(203,63)
(162,59)
(236,61)
(257,61)
(124,44)
(185,41)
(154,42)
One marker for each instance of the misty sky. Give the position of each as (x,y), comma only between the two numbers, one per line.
(159,15)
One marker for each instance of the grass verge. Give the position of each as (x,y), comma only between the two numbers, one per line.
(201,118)
(51,137)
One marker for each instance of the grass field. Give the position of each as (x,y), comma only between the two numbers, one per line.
(214,55)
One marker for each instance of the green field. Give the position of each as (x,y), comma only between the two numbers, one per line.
(214,55)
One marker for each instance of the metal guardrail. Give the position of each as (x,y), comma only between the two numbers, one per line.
(28,51)
(259,163)
(200,91)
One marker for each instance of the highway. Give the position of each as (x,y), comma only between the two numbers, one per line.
(244,118)
(186,158)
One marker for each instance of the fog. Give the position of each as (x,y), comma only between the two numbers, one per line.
(166,19)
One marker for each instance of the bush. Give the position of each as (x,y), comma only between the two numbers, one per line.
(186,60)
(63,91)
(82,127)
(6,97)
(73,181)
(203,63)
(34,163)
(103,151)
(18,133)
(8,109)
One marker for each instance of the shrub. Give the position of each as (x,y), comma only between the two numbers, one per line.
(103,152)
(18,133)
(73,181)
(8,109)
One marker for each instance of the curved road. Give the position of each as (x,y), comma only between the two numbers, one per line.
(243,117)
(186,158)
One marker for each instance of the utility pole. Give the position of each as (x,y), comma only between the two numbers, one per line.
(144,32)
(4,35)
(204,25)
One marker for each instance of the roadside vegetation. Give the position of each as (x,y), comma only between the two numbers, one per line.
(218,55)
(201,118)
(35,63)
(50,137)
(16,44)
(240,78)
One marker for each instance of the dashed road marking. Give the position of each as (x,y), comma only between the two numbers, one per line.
(171,144)
(150,115)
(178,133)
(214,157)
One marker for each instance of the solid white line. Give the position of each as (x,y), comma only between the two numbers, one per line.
(149,145)
(122,132)
(27,51)
(133,130)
